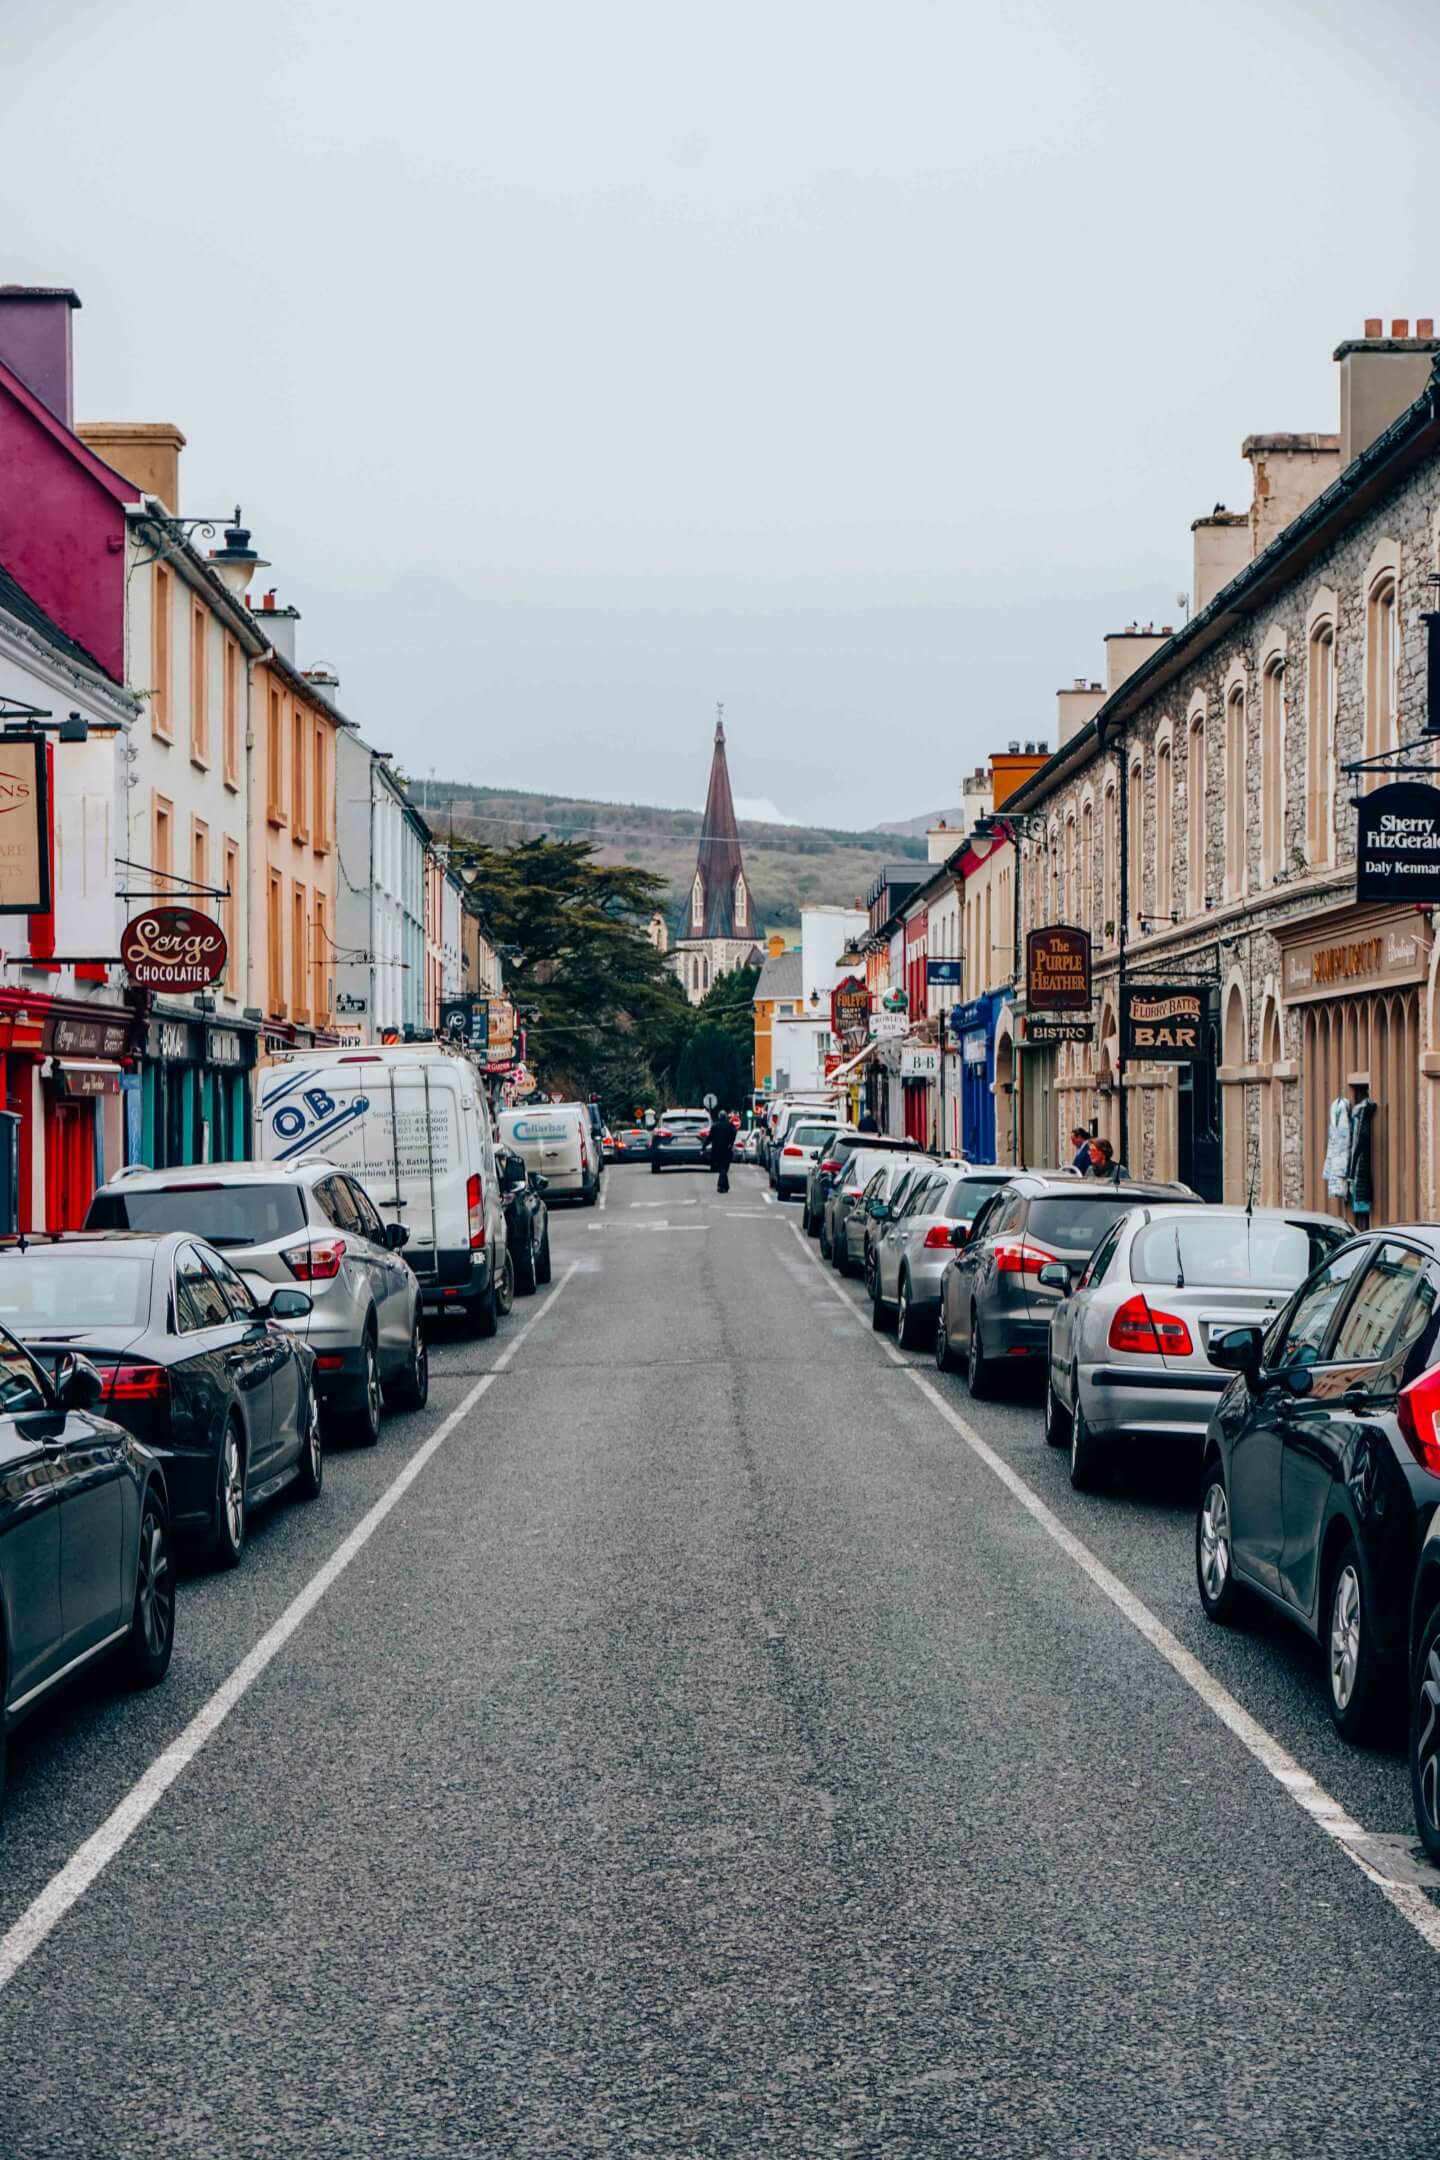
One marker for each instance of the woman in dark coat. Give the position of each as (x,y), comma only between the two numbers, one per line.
(721,1144)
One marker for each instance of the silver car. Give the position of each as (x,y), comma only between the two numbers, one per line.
(305,1223)
(843,1219)
(1130,1338)
(918,1239)
(884,1196)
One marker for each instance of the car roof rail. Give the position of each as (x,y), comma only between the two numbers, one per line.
(134,1169)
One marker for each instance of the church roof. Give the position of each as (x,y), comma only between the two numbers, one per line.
(719,864)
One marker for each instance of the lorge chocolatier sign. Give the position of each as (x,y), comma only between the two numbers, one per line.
(173,948)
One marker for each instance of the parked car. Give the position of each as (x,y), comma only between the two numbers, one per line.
(1322,1472)
(410,1121)
(1425,1647)
(993,1305)
(679,1137)
(555,1140)
(816,1110)
(861,1159)
(1130,1338)
(806,1141)
(309,1223)
(884,1195)
(86,1565)
(527,1220)
(632,1143)
(747,1147)
(608,1149)
(218,1391)
(915,1242)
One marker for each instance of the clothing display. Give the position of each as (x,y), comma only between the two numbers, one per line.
(1336,1170)
(1362,1167)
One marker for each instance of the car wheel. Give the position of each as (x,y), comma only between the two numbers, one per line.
(1220,1594)
(483,1313)
(879,1317)
(1057,1421)
(869,1272)
(844,1265)
(505,1287)
(311,1473)
(827,1250)
(945,1360)
(227,1540)
(411,1390)
(654,1169)
(909,1327)
(542,1264)
(588,1199)
(1425,1736)
(1089,1456)
(977,1365)
(1358,1689)
(525,1268)
(365,1419)
(146,1655)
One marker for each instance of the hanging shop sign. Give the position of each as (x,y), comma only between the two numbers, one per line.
(945,971)
(975,1050)
(68,1037)
(1161,1022)
(850,1012)
(1057,970)
(83,1082)
(173,948)
(24,827)
(500,1036)
(1040,1028)
(895,1001)
(1397,844)
(920,1064)
(347,1002)
(889,1027)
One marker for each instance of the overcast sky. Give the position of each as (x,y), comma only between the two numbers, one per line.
(579,364)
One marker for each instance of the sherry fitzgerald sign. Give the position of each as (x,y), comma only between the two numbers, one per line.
(1057,970)
(1397,845)
(173,948)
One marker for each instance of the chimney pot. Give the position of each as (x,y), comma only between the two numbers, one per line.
(1374,327)
(1400,326)
(269,600)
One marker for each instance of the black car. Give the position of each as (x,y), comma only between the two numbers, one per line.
(191,1364)
(680,1136)
(527,1220)
(1322,1464)
(85,1560)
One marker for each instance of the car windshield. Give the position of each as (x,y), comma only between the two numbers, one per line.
(224,1215)
(811,1135)
(1228,1249)
(1075,1225)
(71,1291)
(968,1196)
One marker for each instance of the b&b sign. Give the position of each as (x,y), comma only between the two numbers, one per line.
(1161,1022)
(1397,845)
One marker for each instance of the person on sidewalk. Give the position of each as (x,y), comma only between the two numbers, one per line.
(1080,1141)
(721,1144)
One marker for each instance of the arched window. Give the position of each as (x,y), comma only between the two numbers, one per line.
(1052,856)
(742,902)
(1320,743)
(697,904)
(988,946)
(1164,828)
(1380,671)
(1071,895)
(1136,839)
(1272,770)
(1272,1111)
(1196,782)
(1235,836)
(1110,845)
(1087,867)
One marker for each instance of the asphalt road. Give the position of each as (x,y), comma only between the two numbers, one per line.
(712,1751)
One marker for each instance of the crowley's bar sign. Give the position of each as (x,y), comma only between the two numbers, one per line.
(173,948)
(1161,1022)
(1057,970)
(1397,844)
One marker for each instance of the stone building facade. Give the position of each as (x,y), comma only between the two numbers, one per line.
(1219,763)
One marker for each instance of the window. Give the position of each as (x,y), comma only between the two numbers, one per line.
(232,713)
(742,903)
(275,762)
(1235,836)
(199,685)
(230,915)
(236,1294)
(367,1215)
(1380,666)
(1196,781)
(298,825)
(1164,829)
(225,1215)
(163,839)
(1299,1335)
(337,1200)
(275,943)
(1110,842)
(199,857)
(1070,891)
(697,904)
(1272,770)
(1320,743)
(1375,1310)
(320,803)
(320,993)
(1136,847)
(200,1302)
(1087,868)
(160,654)
(21,1386)
(299,956)
(1098,1266)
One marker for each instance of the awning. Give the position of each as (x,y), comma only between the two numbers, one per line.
(86,1076)
(861,1057)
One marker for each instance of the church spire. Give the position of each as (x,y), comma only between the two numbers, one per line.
(720,903)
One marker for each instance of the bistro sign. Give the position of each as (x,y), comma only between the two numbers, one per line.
(1161,1022)
(173,948)
(1057,970)
(1039,1028)
(1397,845)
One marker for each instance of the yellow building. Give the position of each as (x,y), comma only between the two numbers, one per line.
(776,991)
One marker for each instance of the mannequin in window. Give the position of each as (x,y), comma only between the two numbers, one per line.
(1362,1143)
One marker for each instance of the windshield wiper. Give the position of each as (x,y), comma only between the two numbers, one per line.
(1179,1263)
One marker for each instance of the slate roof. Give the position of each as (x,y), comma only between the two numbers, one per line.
(719,861)
(781,976)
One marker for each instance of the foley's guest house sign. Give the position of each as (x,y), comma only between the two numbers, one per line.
(173,948)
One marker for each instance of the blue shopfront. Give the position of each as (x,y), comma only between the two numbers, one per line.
(191,1103)
(973,1027)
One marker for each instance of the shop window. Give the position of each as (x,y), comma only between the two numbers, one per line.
(275,761)
(1320,744)
(1235,832)
(1272,770)
(199,686)
(275,944)
(1380,672)
(1196,782)
(160,653)
(232,713)
(1164,829)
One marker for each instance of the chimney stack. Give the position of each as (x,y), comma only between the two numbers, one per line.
(1380,376)
(1222,549)
(144,452)
(1125,649)
(36,343)
(278,624)
(324,679)
(1290,471)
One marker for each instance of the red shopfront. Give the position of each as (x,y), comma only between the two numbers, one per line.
(62,1075)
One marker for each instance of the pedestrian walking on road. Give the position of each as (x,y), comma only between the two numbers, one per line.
(721,1143)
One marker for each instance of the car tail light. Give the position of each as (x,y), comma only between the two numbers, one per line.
(475,1206)
(937,1235)
(319,1262)
(663,1132)
(138,1384)
(1137,1327)
(1418,1415)
(832,1164)
(853,1192)
(1017,1256)
(792,1151)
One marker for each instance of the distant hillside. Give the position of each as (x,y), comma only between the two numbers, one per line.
(788,866)
(919,826)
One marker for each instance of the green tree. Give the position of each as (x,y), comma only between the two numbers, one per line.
(711,1064)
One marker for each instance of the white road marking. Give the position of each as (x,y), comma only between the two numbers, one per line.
(1409,1901)
(638,1229)
(66,1888)
(663,1203)
(604,1200)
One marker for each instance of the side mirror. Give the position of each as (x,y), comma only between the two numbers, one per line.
(960,1233)
(78,1386)
(1055,1276)
(396,1235)
(289,1305)
(878,1210)
(1238,1350)
(538,1183)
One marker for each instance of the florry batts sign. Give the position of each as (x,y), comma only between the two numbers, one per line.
(24,823)
(1397,844)
(1057,970)
(173,948)
(1161,1022)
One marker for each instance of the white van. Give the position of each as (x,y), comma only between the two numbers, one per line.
(411,1121)
(556,1141)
